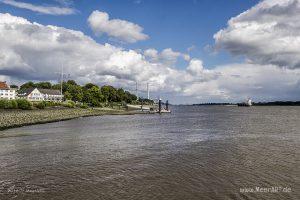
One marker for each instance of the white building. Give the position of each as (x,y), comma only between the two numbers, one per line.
(36,94)
(6,92)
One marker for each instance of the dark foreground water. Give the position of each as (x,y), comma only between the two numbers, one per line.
(194,153)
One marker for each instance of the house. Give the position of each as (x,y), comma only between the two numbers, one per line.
(51,95)
(36,94)
(6,92)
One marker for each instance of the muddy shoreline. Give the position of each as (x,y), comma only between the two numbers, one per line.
(18,118)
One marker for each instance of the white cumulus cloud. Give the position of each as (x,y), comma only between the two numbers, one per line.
(120,29)
(268,33)
(166,56)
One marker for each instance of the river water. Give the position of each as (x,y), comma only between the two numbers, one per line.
(204,152)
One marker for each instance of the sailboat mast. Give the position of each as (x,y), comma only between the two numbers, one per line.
(61,79)
(136,90)
(148,93)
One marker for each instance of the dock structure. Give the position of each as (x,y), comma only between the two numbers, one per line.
(155,108)
(167,105)
(161,109)
(159,105)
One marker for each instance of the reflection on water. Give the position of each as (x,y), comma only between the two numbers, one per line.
(194,153)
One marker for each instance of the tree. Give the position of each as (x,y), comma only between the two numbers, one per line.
(89,86)
(89,93)
(67,95)
(14,86)
(56,87)
(43,85)
(129,98)
(75,91)
(87,97)
(27,85)
(93,96)
(109,93)
(96,96)
(71,82)
(146,101)
(121,95)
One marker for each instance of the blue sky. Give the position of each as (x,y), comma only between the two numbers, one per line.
(176,24)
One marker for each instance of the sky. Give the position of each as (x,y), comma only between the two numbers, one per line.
(189,51)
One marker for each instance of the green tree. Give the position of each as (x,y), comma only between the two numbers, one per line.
(56,87)
(14,86)
(75,92)
(87,97)
(71,82)
(96,96)
(89,86)
(93,96)
(109,93)
(27,85)
(129,98)
(43,85)
(121,95)
(67,95)
(90,93)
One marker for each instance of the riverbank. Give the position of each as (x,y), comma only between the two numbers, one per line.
(18,118)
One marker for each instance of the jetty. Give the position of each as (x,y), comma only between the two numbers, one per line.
(154,108)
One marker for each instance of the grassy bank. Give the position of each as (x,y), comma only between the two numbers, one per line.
(17,118)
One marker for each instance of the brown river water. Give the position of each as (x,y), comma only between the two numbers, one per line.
(204,152)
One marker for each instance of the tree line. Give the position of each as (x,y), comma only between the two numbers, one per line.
(90,93)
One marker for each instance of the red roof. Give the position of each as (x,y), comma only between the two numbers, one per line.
(3,86)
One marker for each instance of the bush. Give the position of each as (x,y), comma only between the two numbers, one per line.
(14,104)
(41,105)
(84,106)
(8,104)
(69,104)
(24,104)
(2,103)
(52,103)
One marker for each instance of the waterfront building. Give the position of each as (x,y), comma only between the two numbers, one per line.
(6,92)
(36,94)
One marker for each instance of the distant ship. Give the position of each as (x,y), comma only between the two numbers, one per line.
(247,103)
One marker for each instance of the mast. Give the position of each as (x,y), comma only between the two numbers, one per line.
(136,90)
(61,79)
(148,94)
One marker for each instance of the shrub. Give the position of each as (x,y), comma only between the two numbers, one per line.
(2,103)
(85,106)
(14,104)
(8,104)
(69,104)
(52,103)
(41,105)
(24,104)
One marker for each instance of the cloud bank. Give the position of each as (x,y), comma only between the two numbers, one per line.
(22,42)
(120,29)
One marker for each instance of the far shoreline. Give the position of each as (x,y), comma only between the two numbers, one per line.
(271,103)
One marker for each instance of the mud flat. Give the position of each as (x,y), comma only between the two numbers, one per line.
(18,118)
